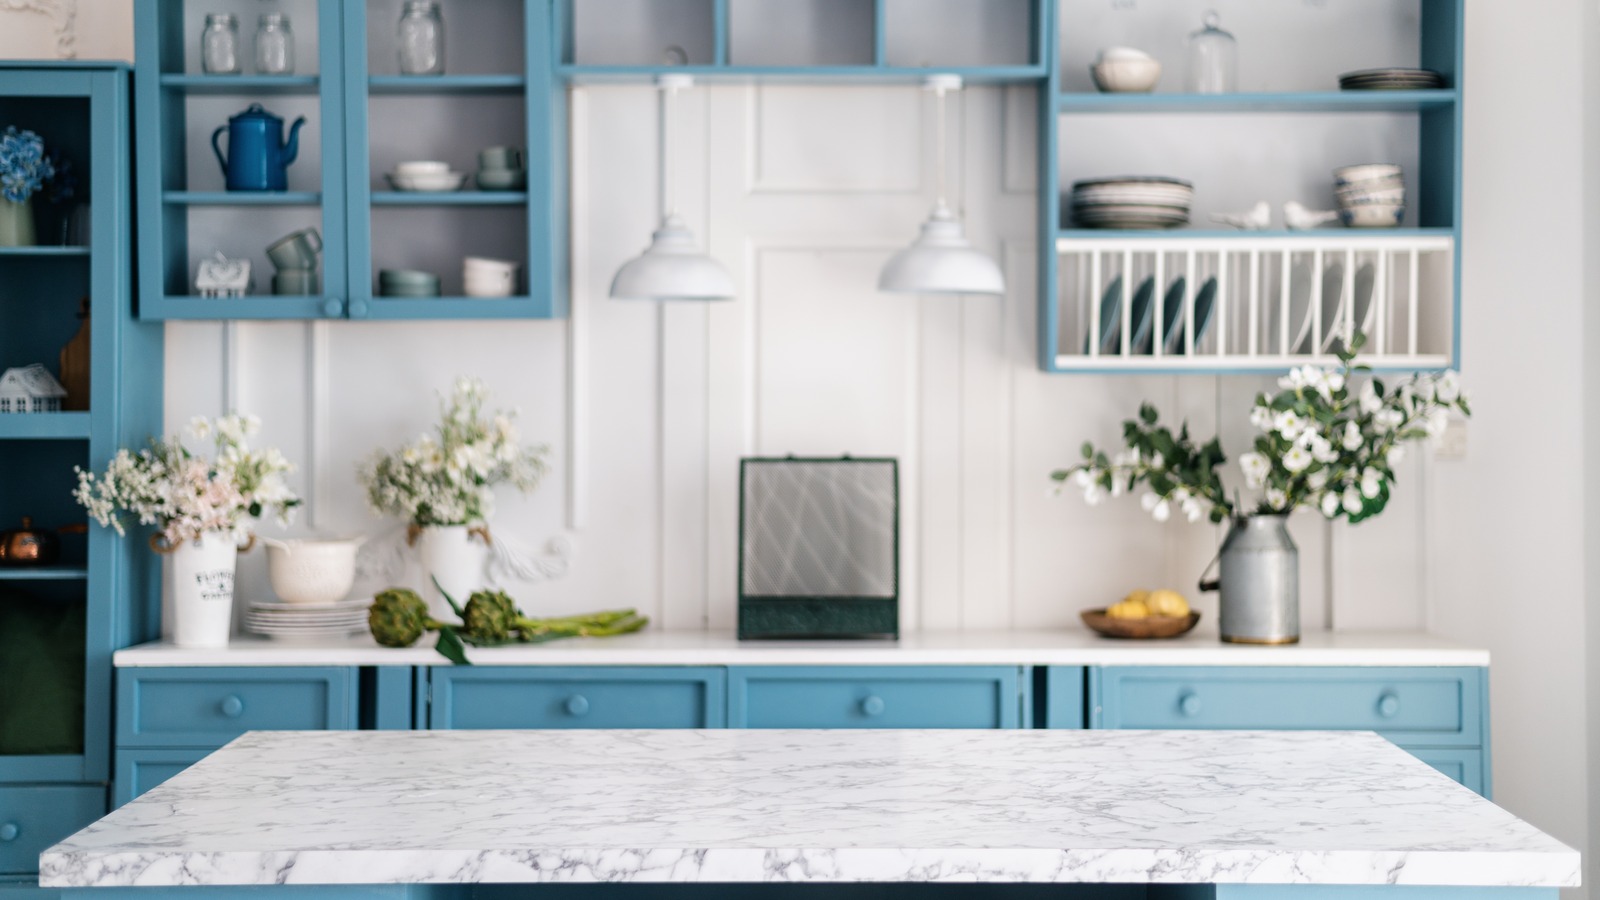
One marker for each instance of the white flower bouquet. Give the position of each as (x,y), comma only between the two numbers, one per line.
(1324,443)
(448,478)
(186,495)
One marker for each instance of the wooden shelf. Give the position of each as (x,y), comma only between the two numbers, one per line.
(44,426)
(1307,101)
(449,198)
(447,84)
(45,573)
(43,252)
(242,198)
(242,84)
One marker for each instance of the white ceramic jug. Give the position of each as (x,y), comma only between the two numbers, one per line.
(312,570)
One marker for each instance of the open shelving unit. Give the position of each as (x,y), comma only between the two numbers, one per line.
(364,116)
(1282,298)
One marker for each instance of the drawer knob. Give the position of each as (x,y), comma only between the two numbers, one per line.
(1189,704)
(232,706)
(9,832)
(872,706)
(1388,705)
(333,307)
(577,705)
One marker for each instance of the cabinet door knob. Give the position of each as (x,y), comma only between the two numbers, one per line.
(9,832)
(332,308)
(1388,705)
(232,706)
(577,705)
(1189,704)
(358,309)
(872,706)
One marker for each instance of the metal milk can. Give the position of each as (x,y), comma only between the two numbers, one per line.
(1260,582)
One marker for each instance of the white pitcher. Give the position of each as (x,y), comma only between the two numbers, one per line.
(455,556)
(201,579)
(313,571)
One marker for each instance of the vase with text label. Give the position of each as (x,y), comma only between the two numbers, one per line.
(456,557)
(201,580)
(16,223)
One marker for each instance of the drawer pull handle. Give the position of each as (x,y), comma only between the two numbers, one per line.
(232,706)
(872,706)
(9,832)
(1189,704)
(577,706)
(1388,705)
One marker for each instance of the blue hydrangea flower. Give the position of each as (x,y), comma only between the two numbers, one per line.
(24,167)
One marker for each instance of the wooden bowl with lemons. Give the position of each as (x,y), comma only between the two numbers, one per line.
(1143,615)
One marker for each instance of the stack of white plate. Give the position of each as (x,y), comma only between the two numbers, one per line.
(1131,202)
(1391,80)
(1371,195)
(307,621)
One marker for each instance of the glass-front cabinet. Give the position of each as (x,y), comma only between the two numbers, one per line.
(426,137)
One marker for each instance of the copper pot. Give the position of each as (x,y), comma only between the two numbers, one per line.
(29,546)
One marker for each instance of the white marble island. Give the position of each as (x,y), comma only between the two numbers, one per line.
(1081,807)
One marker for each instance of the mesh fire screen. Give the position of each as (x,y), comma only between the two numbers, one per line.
(819,548)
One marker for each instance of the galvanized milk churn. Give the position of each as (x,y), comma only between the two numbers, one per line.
(1259,576)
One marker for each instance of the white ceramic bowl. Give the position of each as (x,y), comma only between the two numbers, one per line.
(422,167)
(448,181)
(1382,197)
(1374,216)
(489,266)
(1121,53)
(312,571)
(1366,172)
(474,289)
(1126,76)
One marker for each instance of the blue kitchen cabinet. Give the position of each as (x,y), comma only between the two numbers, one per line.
(140,769)
(595,697)
(79,609)
(499,90)
(1438,713)
(878,697)
(207,707)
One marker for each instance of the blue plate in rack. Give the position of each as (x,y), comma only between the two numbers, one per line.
(1205,303)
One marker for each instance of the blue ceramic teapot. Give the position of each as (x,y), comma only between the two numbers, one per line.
(258,157)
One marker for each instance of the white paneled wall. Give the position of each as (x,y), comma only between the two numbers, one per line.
(803,192)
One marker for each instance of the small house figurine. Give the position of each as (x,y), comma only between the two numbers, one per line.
(30,389)
(223,277)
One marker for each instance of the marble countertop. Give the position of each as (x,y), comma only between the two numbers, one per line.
(721,648)
(765,806)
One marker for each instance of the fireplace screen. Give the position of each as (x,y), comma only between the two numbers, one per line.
(819,548)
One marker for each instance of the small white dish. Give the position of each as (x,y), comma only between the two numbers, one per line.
(422,167)
(1126,76)
(433,184)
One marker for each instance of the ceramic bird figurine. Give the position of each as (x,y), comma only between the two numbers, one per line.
(1257,218)
(1299,218)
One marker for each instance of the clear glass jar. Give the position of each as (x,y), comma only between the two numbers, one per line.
(274,45)
(1213,59)
(421,39)
(219,45)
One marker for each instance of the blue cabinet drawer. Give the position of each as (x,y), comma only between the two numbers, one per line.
(1463,766)
(138,771)
(632,697)
(1424,706)
(875,697)
(33,818)
(208,707)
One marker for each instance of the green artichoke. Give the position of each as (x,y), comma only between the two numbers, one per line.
(489,617)
(398,617)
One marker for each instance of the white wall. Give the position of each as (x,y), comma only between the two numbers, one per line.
(803,192)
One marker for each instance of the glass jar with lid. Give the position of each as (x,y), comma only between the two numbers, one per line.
(274,45)
(421,39)
(1213,58)
(219,45)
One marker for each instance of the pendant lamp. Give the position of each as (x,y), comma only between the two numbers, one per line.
(941,260)
(672,267)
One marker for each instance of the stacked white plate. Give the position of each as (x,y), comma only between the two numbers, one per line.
(307,621)
(1131,202)
(425,176)
(1391,80)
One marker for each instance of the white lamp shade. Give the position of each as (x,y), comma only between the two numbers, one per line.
(672,268)
(941,261)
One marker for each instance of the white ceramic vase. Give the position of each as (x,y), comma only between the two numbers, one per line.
(201,580)
(455,556)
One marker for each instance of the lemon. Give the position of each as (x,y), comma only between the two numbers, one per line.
(1167,603)
(1131,608)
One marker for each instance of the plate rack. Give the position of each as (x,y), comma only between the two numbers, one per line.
(1230,302)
